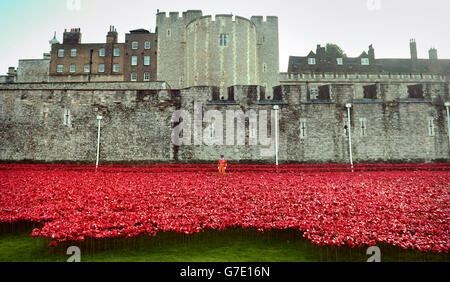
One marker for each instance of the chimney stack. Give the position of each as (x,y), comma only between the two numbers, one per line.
(72,37)
(432,54)
(371,53)
(320,52)
(413,49)
(112,35)
(11,71)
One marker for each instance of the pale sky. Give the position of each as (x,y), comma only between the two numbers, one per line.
(26,26)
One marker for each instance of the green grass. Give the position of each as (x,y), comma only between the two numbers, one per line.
(232,245)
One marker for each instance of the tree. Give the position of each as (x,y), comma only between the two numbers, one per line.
(339,51)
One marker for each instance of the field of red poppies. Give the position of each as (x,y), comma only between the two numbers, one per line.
(402,205)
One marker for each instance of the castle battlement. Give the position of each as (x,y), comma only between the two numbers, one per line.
(186,16)
(221,50)
(356,77)
(262,19)
(224,18)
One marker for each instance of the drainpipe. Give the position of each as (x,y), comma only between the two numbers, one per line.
(349,133)
(276,108)
(447,106)
(99,118)
(90,65)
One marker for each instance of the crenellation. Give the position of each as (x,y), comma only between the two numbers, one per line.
(257,19)
(174,16)
(271,19)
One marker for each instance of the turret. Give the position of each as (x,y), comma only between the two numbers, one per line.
(53,40)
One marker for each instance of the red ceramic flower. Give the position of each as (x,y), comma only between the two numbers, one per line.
(403,205)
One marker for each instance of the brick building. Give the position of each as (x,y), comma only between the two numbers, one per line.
(140,56)
(74,61)
(333,61)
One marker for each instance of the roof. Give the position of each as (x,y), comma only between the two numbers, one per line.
(141,30)
(394,65)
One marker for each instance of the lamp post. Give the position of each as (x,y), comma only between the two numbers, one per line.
(276,108)
(447,106)
(348,106)
(99,118)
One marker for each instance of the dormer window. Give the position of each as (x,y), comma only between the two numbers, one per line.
(339,61)
(311,61)
(365,61)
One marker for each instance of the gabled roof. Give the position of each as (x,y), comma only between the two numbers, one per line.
(311,54)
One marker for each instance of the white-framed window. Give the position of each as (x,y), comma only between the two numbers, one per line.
(223,39)
(134,45)
(339,61)
(431,132)
(116,68)
(101,68)
(134,60)
(313,93)
(363,127)
(66,117)
(59,68)
(87,68)
(147,45)
(60,53)
(102,52)
(73,68)
(311,61)
(302,128)
(364,61)
(252,131)
(73,52)
(212,130)
(146,76)
(146,60)
(133,76)
(116,52)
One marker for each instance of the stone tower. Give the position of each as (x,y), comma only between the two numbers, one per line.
(268,52)
(171,46)
(227,50)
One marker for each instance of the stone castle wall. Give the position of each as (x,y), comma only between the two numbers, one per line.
(55,122)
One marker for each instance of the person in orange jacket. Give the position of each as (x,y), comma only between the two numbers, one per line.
(222,165)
